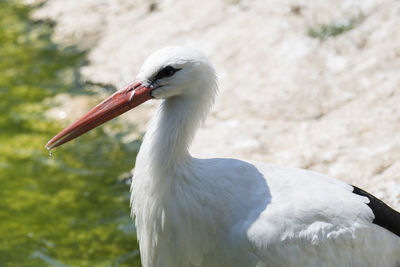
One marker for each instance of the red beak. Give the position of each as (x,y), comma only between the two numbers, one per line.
(120,102)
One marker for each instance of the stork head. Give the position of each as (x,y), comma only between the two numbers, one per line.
(174,71)
(169,72)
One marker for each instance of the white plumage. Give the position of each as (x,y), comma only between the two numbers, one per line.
(229,212)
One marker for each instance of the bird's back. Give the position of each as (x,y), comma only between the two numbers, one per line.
(315,220)
(227,212)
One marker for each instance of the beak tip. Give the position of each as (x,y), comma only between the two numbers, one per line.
(48,146)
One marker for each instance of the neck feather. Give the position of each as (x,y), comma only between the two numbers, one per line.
(171,131)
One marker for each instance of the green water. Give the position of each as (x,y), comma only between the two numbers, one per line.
(71,209)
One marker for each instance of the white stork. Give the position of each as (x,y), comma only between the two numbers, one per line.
(230,212)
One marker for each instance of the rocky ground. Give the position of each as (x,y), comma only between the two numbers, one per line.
(312,84)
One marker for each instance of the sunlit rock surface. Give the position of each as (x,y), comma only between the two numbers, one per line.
(328,104)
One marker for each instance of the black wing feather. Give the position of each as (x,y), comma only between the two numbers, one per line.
(385,216)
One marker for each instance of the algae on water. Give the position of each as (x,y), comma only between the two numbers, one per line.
(70,209)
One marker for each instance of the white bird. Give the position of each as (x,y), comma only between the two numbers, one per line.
(229,212)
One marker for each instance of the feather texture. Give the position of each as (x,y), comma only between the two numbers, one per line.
(384,215)
(228,212)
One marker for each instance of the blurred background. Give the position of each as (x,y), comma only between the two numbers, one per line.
(312,84)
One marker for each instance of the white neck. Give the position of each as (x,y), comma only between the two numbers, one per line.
(163,163)
(169,135)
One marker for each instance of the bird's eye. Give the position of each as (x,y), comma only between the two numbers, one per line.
(167,71)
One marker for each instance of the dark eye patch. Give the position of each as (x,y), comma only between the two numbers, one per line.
(167,71)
